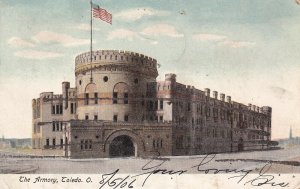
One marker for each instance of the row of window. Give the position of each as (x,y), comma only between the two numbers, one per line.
(153,105)
(157,143)
(57,109)
(105,79)
(155,118)
(115,100)
(54,144)
(57,126)
(86,144)
(115,117)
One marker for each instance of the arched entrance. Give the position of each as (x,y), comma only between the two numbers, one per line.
(122,146)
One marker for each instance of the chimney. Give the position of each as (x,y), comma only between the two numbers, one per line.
(222,97)
(215,94)
(207,92)
(228,99)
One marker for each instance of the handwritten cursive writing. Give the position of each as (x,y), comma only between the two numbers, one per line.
(112,182)
(155,169)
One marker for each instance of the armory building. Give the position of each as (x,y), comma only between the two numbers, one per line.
(117,108)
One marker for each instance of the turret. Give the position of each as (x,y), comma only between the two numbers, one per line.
(65,88)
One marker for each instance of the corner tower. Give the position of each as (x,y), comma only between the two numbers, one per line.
(119,84)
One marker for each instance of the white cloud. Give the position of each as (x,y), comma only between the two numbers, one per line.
(154,42)
(161,29)
(18,42)
(237,44)
(122,34)
(86,27)
(222,40)
(138,13)
(208,37)
(65,40)
(33,54)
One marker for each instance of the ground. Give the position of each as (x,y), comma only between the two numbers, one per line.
(276,161)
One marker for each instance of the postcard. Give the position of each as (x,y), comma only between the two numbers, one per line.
(150,94)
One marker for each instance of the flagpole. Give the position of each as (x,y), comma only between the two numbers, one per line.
(91,47)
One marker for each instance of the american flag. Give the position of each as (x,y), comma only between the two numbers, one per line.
(101,13)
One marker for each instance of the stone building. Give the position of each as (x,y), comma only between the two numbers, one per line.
(117,108)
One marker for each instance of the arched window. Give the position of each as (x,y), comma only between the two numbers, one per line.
(120,93)
(90,92)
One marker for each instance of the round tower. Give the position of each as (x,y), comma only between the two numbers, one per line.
(118,86)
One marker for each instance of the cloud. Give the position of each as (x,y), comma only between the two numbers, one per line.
(138,13)
(209,37)
(86,27)
(63,39)
(129,35)
(222,40)
(237,44)
(122,34)
(280,92)
(39,55)
(18,42)
(161,29)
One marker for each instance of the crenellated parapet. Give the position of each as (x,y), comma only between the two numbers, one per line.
(115,60)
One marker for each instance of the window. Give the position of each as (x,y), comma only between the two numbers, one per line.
(79,82)
(53,143)
(81,144)
(189,106)
(61,143)
(116,57)
(161,104)
(57,109)
(86,98)
(115,98)
(126,118)
(96,98)
(86,117)
(115,118)
(72,108)
(90,144)
(110,57)
(53,109)
(105,78)
(57,126)
(47,142)
(161,118)
(95,117)
(60,109)
(121,57)
(151,105)
(53,126)
(136,80)
(86,144)
(125,98)
(61,126)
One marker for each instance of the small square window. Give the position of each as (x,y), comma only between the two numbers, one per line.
(126,118)
(115,118)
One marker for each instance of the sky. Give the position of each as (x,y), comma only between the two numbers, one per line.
(248,49)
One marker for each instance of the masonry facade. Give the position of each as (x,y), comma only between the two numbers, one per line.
(117,108)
